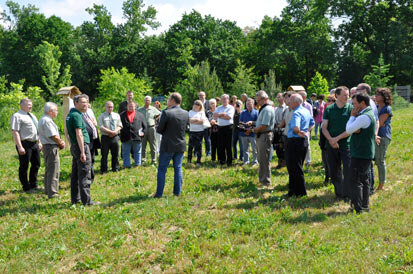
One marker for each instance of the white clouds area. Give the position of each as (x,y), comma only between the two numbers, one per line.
(244,12)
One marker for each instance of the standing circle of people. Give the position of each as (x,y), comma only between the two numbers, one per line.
(353,130)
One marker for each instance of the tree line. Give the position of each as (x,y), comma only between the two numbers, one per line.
(334,41)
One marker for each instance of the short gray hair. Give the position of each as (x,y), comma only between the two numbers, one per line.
(262,94)
(303,93)
(213,101)
(296,98)
(25,101)
(147,96)
(49,106)
(225,95)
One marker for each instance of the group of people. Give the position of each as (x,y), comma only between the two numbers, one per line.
(352,133)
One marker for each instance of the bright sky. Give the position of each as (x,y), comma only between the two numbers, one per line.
(244,12)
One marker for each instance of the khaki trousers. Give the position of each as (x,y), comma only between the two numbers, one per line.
(52,167)
(263,151)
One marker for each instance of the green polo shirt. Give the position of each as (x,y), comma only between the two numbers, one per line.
(74,120)
(337,120)
(150,114)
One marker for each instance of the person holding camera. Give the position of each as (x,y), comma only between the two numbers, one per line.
(264,135)
(248,115)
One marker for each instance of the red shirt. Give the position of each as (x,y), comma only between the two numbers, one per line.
(131,115)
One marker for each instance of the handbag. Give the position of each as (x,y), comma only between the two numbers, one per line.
(206,124)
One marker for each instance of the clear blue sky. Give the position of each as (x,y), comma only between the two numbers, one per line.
(244,12)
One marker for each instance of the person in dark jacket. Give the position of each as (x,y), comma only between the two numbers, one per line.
(134,128)
(172,126)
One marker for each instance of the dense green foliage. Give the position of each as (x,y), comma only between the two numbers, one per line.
(114,84)
(318,85)
(339,39)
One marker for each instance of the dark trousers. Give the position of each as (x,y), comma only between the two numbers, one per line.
(339,170)
(111,144)
(324,158)
(224,145)
(32,156)
(279,150)
(195,142)
(360,184)
(214,145)
(296,150)
(80,179)
(371,178)
(207,139)
(235,140)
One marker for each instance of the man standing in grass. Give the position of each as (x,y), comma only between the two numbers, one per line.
(335,118)
(123,106)
(172,126)
(151,114)
(110,126)
(50,138)
(362,126)
(24,127)
(81,176)
(297,145)
(264,135)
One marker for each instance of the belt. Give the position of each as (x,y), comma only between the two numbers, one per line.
(28,141)
(51,145)
(151,126)
(224,126)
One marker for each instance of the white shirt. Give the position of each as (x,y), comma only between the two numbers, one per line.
(47,129)
(196,115)
(229,110)
(354,124)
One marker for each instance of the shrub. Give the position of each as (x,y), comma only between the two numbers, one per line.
(318,85)
(115,83)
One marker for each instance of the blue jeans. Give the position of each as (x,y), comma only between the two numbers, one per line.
(245,141)
(164,159)
(135,146)
(207,139)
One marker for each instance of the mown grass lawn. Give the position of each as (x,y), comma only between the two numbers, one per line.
(222,222)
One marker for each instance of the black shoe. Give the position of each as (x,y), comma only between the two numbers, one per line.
(157,196)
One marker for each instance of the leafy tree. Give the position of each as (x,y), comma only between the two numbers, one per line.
(53,79)
(26,29)
(115,83)
(379,76)
(270,84)
(197,78)
(243,81)
(372,28)
(212,39)
(318,85)
(10,101)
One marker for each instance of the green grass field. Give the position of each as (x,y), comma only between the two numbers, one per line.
(223,222)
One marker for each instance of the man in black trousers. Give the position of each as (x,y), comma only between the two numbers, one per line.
(24,126)
(110,126)
(225,117)
(297,145)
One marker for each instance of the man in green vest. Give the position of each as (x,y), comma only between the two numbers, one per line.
(362,126)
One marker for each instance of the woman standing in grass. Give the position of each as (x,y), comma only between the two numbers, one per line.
(384,100)
(214,129)
(197,118)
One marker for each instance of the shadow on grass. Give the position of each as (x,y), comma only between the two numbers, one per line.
(34,208)
(280,201)
(136,198)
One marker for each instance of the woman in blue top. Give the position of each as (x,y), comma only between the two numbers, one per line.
(384,100)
